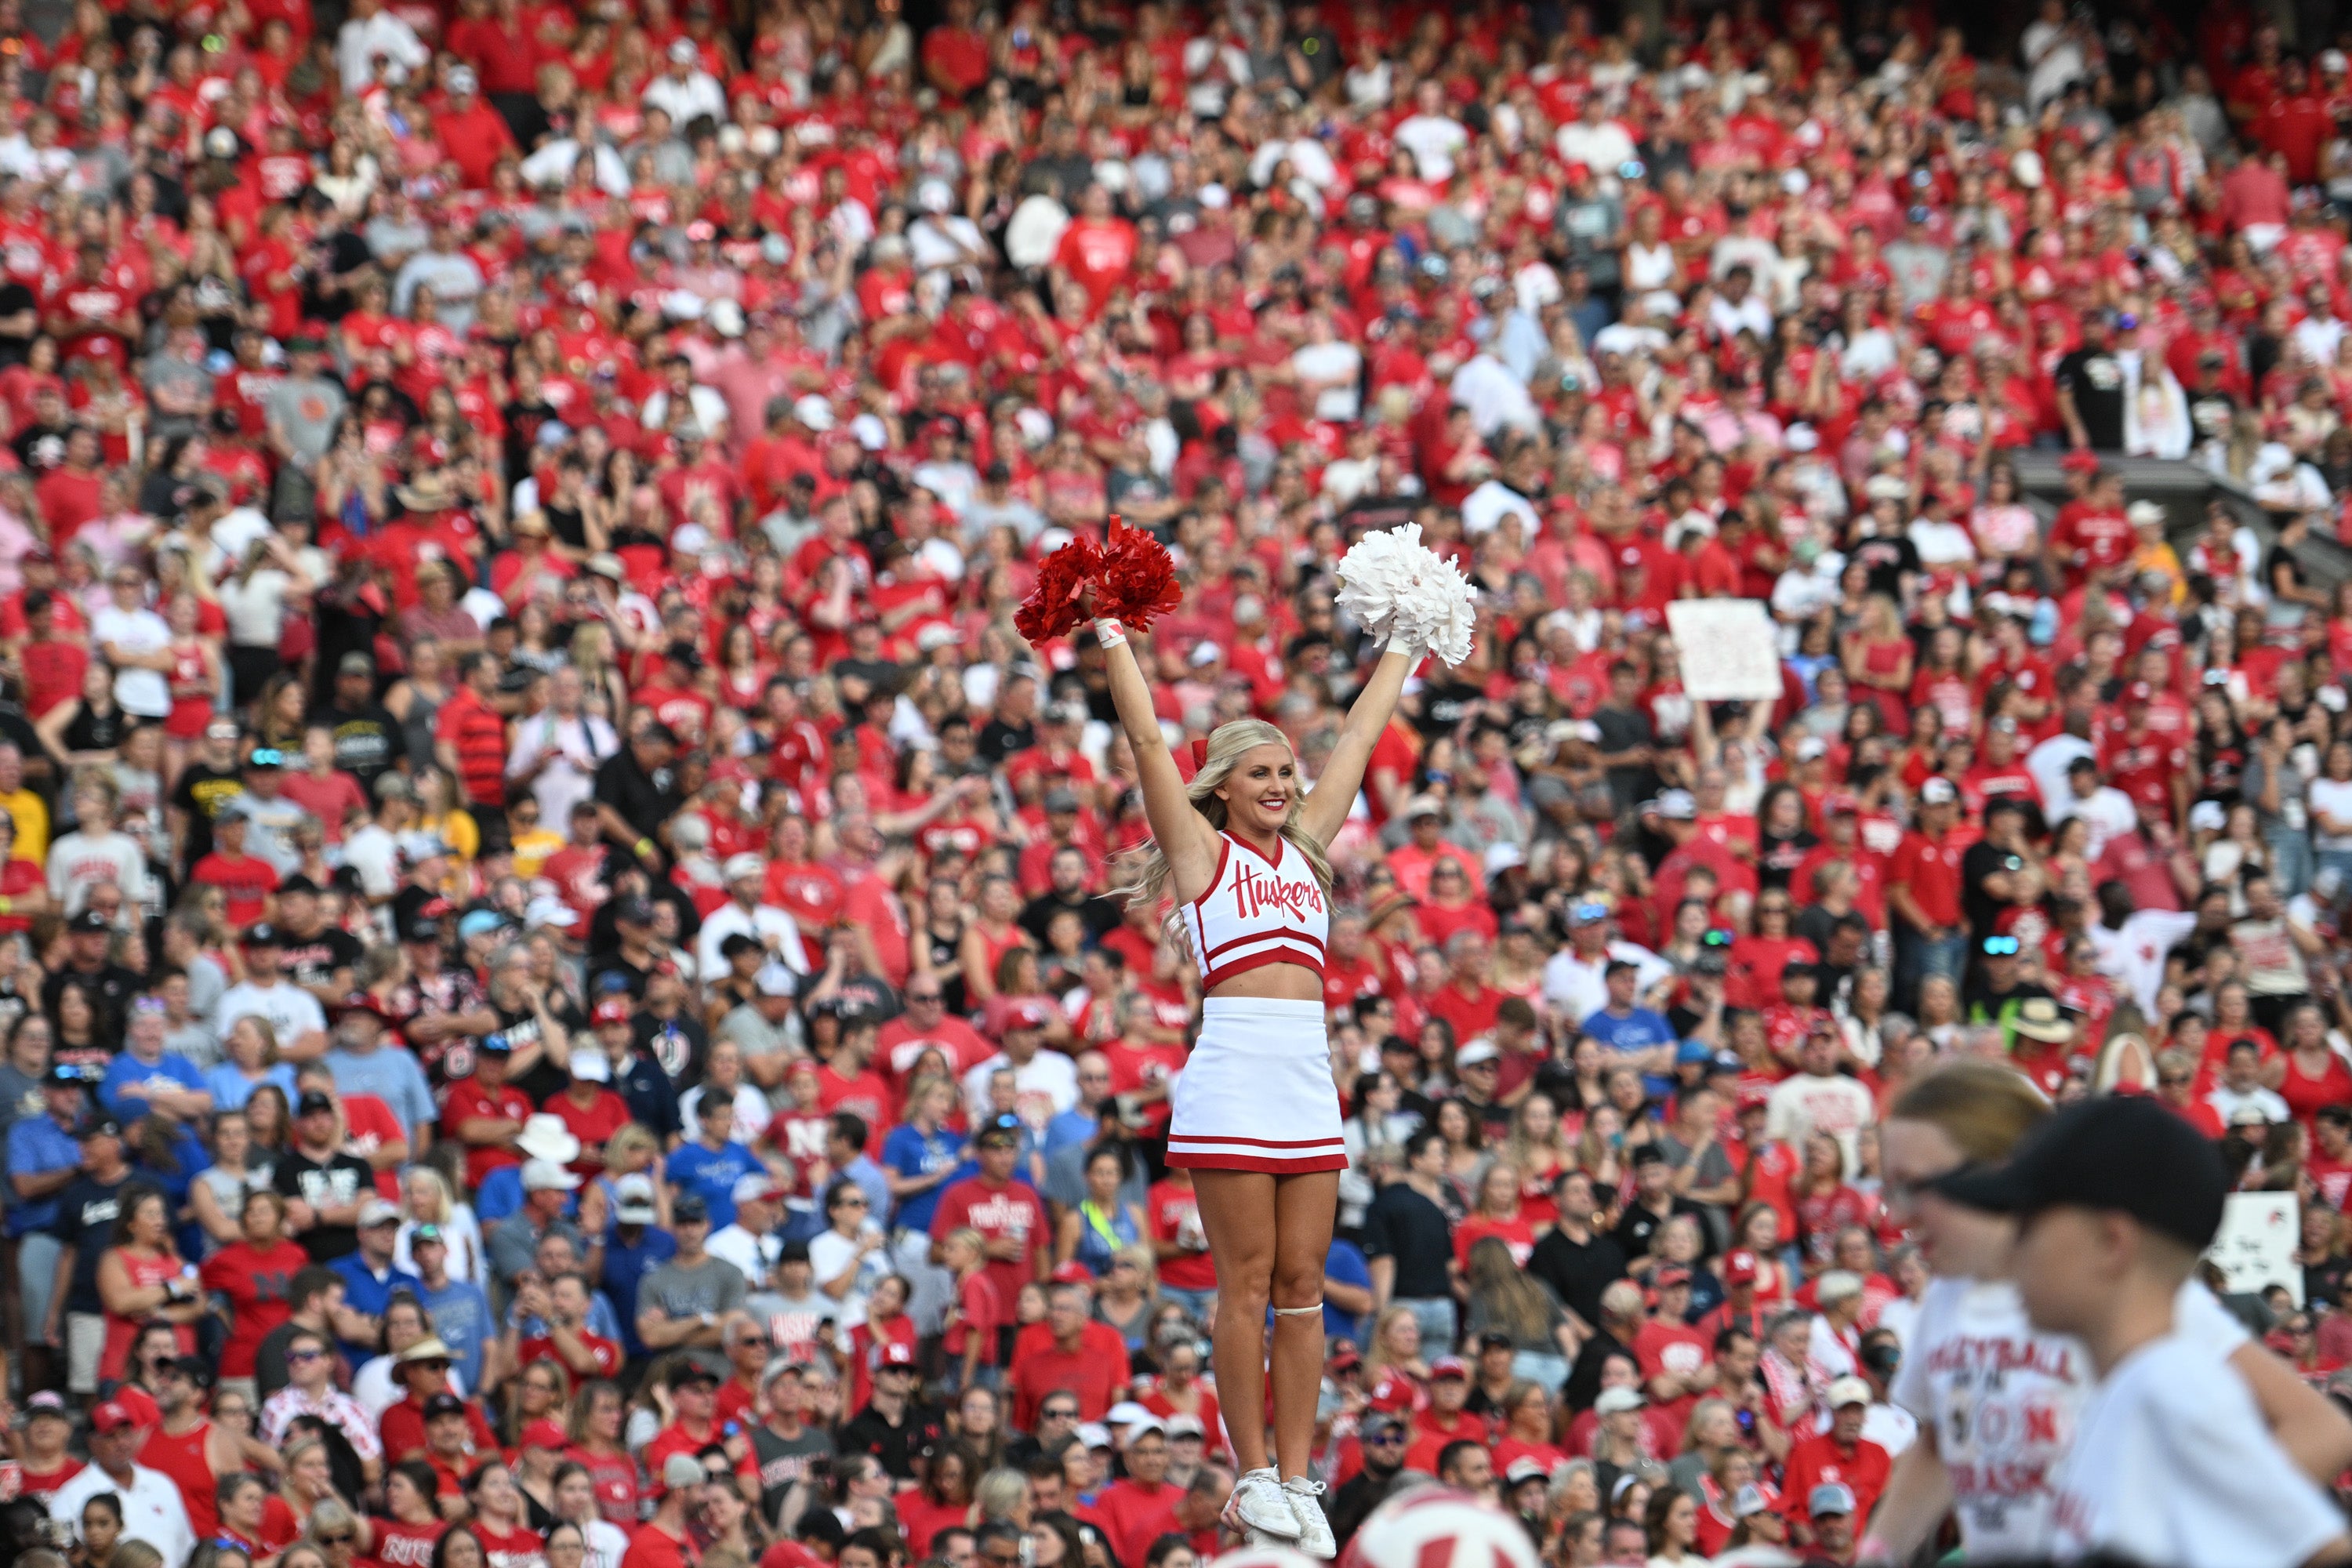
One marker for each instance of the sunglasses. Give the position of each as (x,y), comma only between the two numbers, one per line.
(1386,1439)
(305,1355)
(344,1540)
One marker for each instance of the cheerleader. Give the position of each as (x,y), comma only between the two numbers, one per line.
(1241,852)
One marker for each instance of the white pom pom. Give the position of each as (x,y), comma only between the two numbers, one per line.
(1401,592)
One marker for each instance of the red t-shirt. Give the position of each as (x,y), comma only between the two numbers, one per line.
(607,1352)
(467,1101)
(1010,1211)
(399,1545)
(1171,1209)
(1092,1373)
(256,1284)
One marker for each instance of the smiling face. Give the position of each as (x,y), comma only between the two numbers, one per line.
(1259,791)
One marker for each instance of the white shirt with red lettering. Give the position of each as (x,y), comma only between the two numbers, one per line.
(2000,1402)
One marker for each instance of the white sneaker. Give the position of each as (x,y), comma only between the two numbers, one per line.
(1261,1511)
(1314,1531)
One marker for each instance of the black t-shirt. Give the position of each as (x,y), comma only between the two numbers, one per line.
(1982,859)
(867,1433)
(201,791)
(313,960)
(548,1077)
(367,741)
(2095,378)
(1099,917)
(1402,1225)
(87,1211)
(1639,1223)
(109,988)
(1776,860)
(998,741)
(336,1182)
(645,801)
(15,298)
(1578,1271)
(678,1045)
(1888,559)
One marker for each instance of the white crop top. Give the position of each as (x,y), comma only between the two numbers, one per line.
(1258,911)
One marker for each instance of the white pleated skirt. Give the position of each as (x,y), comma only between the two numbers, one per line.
(1256,1092)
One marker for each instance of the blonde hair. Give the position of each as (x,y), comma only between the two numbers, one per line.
(1983,1107)
(1145,1263)
(133,1553)
(626,1141)
(1148,866)
(442,1203)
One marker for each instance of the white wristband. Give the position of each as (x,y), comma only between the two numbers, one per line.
(1411,651)
(1109,633)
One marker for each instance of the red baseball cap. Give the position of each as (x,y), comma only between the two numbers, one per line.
(1073,1273)
(613,1010)
(1739,1268)
(545,1435)
(1841,802)
(111,1416)
(2079,463)
(1751,1098)
(897,1352)
(1394,1392)
(1448,1366)
(2139,691)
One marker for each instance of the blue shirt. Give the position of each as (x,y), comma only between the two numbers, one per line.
(911,1153)
(713,1174)
(118,1092)
(462,1319)
(231,1088)
(625,1267)
(392,1076)
(1638,1030)
(364,1292)
(1346,1264)
(38,1146)
(1076,1125)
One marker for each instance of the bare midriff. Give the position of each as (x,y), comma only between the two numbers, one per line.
(1274,982)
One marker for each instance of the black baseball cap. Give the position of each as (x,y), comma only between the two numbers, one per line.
(313,1102)
(89,921)
(98,1126)
(443,1405)
(2124,1154)
(687,1208)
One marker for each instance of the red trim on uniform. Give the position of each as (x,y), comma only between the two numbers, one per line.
(1280,934)
(1176,1137)
(1223,850)
(1274,864)
(1258,1162)
(1217,978)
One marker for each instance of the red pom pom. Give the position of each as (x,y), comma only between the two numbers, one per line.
(1053,606)
(1137,579)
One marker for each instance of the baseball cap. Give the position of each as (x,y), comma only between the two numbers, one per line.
(1448,1366)
(46,1402)
(443,1405)
(896,1353)
(1829,1496)
(758,1187)
(1676,805)
(633,1201)
(1845,1391)
(1423,805)
(590,1066)
(544,1435)
(687,1208)
(1183,1425)
(89,921)
(2124,1154)
(1937,791)
(691,1371)
(613,1010)
(313,1102)
(1739,1268)
(547,1176)
(98,1126)
(681,1471)
(739,866)
(113,1416)
(1616,1401)
(377,1211)
(1005,1129)
(1476,1051)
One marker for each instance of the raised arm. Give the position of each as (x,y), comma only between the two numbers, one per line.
(1334,795)
(1184,834)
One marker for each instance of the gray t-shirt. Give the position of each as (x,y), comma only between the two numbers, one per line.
(307,410)
(713,1285)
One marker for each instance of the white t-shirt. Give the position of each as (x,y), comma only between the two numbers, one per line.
(145,693)
(2002,1399)
(2333,797)
(80,861)
(2171,1463)
(1048,1086)
(292,1011)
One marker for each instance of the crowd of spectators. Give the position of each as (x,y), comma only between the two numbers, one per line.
(562,999)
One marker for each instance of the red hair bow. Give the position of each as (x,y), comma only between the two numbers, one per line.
(1199,755)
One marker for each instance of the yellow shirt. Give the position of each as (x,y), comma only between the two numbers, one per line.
(32,818)
(532,850)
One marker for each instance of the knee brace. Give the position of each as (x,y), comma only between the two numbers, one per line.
(1298,1311)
